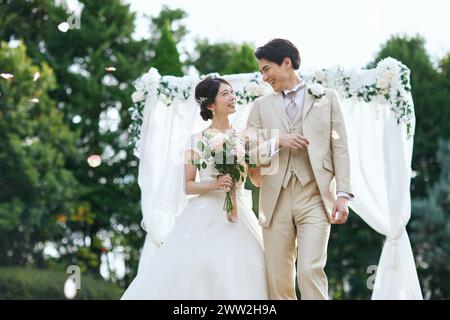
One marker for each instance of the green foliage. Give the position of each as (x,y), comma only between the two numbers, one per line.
(431,96)
(444,65)
(243,60)
(86,95)
(430,231)
(352,248)
(223,58)
(167,58)
(35,146)
(167,17)
(165,36)
(37,284)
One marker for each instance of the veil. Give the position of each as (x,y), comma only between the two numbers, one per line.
(164,137)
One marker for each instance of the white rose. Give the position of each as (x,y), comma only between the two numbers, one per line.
(388,69)
(164,98)
(154,74)
(388,63)
(317,90)
(382,84)
(320,75)
(251,89)
(389,75)
(137,96)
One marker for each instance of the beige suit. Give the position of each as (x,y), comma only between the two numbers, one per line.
(298,189)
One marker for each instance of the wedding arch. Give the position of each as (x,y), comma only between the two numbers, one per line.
(379,114)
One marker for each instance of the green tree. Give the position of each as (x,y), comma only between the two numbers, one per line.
(167,58)
(430,231)
(36,284)
(36,188)
(224,58)
(243,61)
(353,247)
(431,100)
(95,103)
(170,17)
(445,67)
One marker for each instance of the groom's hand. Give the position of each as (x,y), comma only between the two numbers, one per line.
(294,141)
(339,213)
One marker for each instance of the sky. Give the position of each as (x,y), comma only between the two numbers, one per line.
(327,32)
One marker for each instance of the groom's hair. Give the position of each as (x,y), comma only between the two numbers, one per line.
(276,50)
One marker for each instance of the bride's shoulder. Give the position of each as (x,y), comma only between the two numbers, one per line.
(198,135)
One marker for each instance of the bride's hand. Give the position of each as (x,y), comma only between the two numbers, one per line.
(224,182)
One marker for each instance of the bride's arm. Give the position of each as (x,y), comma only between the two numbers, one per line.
(193,187)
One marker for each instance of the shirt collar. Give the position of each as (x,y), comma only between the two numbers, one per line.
(301,83)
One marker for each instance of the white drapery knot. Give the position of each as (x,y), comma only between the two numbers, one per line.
(393,243)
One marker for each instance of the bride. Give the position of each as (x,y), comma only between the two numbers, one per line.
(206,255)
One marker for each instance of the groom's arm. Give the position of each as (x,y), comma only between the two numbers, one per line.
(339,147)
(260,147)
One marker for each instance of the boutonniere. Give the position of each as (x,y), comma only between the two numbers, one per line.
(316,90)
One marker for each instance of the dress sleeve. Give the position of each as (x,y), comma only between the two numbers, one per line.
(192,155)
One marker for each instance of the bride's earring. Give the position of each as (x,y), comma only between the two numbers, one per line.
(213,112)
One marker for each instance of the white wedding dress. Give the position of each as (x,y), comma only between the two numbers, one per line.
(205,256)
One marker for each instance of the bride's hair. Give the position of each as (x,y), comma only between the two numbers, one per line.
(205,94)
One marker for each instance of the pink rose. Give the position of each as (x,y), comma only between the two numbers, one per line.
(216,143)
(240,150)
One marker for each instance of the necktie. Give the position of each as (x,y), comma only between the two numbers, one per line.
(292,108)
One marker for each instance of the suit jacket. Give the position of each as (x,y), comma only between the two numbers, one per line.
(323,124)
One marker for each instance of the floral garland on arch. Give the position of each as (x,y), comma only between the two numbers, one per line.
(388,82)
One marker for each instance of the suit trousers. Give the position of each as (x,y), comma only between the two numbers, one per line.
(299,220)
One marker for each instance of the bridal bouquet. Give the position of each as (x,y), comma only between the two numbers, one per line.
(229,155)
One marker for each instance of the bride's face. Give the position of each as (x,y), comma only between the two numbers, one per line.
(225,102)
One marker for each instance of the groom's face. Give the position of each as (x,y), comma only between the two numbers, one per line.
(275,75)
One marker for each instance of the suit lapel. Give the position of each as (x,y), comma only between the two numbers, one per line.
(277,103)
(307,103)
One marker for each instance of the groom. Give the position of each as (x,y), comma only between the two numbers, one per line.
(305,184)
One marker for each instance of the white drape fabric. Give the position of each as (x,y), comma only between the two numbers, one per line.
(164,134)
(380,154)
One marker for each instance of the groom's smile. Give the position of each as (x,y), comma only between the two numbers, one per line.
(273,74)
